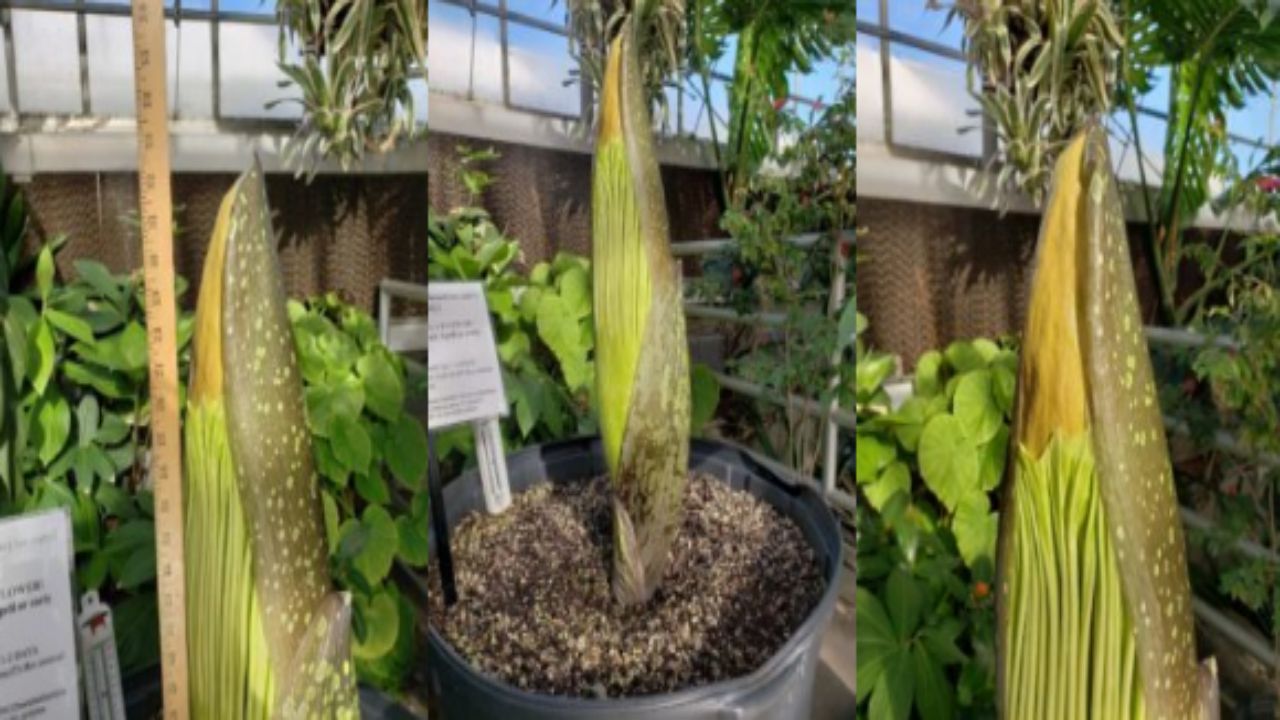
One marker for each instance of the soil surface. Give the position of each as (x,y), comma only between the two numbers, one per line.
(536,609)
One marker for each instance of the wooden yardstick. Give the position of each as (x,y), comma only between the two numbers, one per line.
(156,213)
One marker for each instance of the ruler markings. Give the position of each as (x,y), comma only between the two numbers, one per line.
(155,208)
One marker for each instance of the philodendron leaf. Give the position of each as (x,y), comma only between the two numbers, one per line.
(1094,608)
(381,542)
(53,424)
(705,396)
(269,638)
(350,443)
(895,479)
(41,355)
(642,354)
(975,528)
(406,450)
(380,616)
(976,408)
(44,271)
(948,460)
(561,331)
(383,390)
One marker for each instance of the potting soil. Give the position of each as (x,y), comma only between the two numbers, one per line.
(536,610)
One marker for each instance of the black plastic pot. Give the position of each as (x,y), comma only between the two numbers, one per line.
(143,698)
(780,690)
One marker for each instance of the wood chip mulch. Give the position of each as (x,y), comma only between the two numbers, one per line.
(536,609)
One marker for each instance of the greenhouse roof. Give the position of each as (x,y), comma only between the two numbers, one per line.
(66,87)
(506,71)
(920,140)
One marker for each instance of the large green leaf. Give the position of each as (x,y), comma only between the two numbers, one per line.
(948,460)
(406,450)
(383,389)
(52,424)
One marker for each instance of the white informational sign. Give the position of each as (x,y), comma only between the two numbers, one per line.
(37,620)
(464,379)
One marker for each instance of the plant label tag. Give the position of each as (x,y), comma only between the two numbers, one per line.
(37,621)
(492,462)
(102,689)
(464,379)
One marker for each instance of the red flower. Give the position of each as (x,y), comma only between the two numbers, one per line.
(981,590)
(1268,183)
(778,104)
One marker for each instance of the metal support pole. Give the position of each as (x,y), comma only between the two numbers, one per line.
(384,314)
(831,443)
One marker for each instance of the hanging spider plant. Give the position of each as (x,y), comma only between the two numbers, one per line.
(1094,609)
(356,60)
(642,357)
(269,638)
(1039,70)
(660,39)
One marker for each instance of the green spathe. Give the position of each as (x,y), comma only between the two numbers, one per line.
(269,637)
(1094,606)
(642,373)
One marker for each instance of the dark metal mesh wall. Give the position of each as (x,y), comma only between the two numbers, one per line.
(931,274)
(543,197)
(340,233)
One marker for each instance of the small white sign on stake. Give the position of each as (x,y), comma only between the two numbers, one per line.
(37,621)
(464,379)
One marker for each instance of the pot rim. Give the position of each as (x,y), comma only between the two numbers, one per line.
(818,617)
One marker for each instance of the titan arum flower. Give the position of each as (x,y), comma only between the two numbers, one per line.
(1094,609)
(642,357)
(269,638)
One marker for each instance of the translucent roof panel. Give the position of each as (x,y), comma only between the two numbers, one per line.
(539,65)
(250,76)
(464,53)
(868,11)
(870,89)
(4,76)
(248,7)
(545,10)
(931,109)
(47,60)
(917,19)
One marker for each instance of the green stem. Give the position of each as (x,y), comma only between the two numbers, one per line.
(1172,225)
(743,81)
(1172,212)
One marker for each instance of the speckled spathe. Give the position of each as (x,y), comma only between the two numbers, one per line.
(1090,458)
(245,362)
